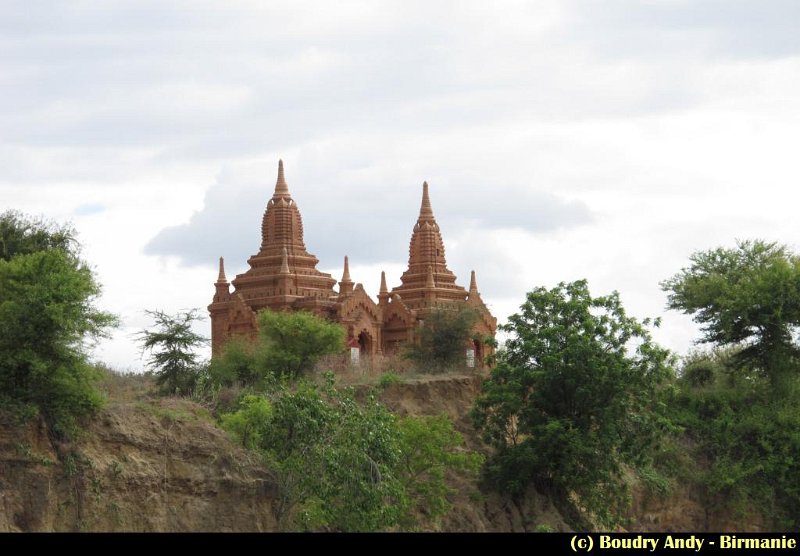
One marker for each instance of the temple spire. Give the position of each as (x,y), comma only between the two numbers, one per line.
(473,285)
(222,279)
(346,274)
(281,187)
(430,283)
(284,261)
(426,210)
(384,288)
(346,284)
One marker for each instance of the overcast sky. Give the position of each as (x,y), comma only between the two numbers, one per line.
(562,139)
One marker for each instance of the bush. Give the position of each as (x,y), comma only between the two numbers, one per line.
(750,440)
(291,343)
(442,338)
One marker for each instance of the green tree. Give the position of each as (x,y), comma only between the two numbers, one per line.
(23,235)
(348,465)
(290,343)
(335,459)
(442,338)
(47,320)
(172,348)
(747,297)
(574,396)
(745,445)
(431,449)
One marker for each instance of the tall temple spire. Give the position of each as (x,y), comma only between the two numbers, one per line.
(426,210)
(473,285)
(426,260)
(222,279)
(281,187)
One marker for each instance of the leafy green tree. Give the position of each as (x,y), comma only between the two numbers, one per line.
(345,465)
(47,320)
(431,449)
(290,343)
(23,235)
(335,459)
(442,338)
(574,396)
(172,348)
(747,297)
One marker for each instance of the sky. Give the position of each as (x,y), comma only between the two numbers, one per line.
(562,139)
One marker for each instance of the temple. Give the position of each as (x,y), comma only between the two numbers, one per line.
(283,276)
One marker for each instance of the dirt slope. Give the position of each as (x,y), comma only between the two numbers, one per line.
(141,466)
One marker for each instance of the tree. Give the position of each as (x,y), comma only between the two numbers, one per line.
(747,297)
(47,320)
(574,396)
(442,337)
(431,448)
(745,446)
(22,235)
(291,343)
(171,348)
(348,465)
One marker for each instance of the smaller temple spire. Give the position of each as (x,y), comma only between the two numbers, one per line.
(281,187)
(426,210)
(284,261)
(346,274)
(473,285)
(346,285)
(384,288)
(383,294)
(222,279)
(223,289)
(430,283)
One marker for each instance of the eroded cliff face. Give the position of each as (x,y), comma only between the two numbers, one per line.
(142,466)
(162,465)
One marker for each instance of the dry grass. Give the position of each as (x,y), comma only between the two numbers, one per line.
(119,386)
(370,370)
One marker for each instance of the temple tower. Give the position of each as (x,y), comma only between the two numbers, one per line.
(427,279)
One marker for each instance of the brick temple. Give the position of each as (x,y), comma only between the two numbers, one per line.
(283,276)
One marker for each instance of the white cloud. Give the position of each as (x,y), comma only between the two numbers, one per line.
(561,139)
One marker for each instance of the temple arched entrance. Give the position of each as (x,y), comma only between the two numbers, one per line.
(365,343)
(477,345)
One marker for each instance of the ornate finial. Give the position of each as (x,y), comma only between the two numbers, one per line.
(384,289)
(346,274)
(284,261)
(473,284)
(281,188)
(426,210)
(430,283)
(222,279)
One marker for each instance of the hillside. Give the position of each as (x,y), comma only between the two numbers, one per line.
(140,466)
(163,465)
